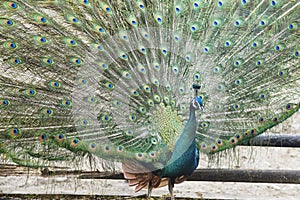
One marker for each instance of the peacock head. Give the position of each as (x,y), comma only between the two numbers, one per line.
(197,102)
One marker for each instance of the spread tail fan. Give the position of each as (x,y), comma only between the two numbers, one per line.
(148,83)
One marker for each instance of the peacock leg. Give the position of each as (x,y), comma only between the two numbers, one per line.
(150,187)
(171,186)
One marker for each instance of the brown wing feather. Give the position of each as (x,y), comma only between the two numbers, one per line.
(140,176)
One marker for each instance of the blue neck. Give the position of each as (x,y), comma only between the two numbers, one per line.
(185,158)
(189,133)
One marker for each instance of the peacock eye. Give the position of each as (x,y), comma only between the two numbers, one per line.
(154,141)
(289,106)
(261,120)
(75,143)
(152,154)
(9,22)
(15,131)
(276,119)
(214,148)
(107,148)
(233,141)
(253,131)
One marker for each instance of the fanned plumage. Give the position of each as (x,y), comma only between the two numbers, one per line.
(148,83)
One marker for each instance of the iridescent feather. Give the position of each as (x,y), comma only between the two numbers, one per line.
(148,83)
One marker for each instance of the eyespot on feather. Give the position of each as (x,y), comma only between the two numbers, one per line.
(14,132)
(4,103)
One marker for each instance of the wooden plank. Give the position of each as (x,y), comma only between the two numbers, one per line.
(253,176)
(275,140)
(227,175)
(221,175)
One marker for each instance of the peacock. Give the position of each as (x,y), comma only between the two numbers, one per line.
(150,84)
